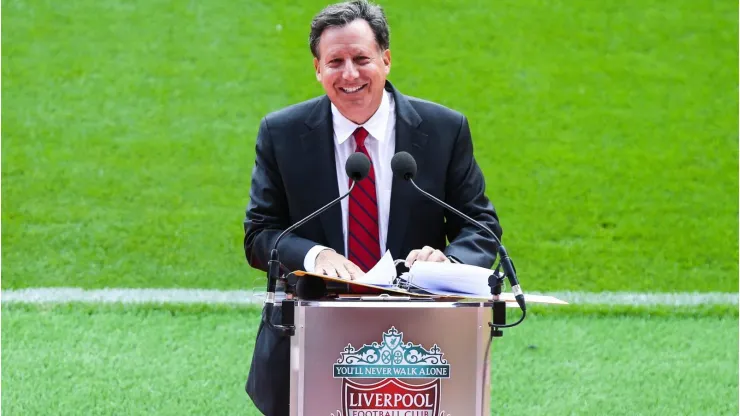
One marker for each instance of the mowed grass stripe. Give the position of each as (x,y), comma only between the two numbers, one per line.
(225,297)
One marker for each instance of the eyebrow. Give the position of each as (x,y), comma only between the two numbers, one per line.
(353,51)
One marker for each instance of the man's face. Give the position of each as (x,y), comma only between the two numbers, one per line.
(352,69)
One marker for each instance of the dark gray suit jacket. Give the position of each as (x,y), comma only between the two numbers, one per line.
(295,174)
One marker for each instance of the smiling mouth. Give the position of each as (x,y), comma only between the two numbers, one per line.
(353,90)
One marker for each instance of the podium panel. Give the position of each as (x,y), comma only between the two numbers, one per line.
(389,358)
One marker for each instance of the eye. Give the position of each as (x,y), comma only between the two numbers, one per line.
(362,59)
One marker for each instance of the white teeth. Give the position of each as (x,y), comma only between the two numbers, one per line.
(351,90)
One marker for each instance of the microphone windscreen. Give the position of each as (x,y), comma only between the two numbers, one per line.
(403,165)
(310,288)
(357,166)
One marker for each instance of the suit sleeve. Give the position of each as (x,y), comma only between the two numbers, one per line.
(267,212)
(465,190)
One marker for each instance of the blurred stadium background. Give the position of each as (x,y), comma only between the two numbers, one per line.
(607,131)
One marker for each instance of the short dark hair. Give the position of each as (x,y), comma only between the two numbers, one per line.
(341,14)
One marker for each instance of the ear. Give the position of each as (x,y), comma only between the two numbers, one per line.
(387,60)
(317,68)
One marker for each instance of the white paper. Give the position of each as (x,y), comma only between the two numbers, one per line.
(451,278)
(383,274)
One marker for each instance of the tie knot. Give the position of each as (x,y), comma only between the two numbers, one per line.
(360,136)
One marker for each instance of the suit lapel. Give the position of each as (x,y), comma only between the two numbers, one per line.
(409,138)
(318,150)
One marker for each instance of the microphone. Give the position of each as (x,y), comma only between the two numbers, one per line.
(357,167)
(404,167)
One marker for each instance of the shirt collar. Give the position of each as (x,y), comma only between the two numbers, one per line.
(376,125)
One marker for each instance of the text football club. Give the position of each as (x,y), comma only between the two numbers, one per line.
(401,368)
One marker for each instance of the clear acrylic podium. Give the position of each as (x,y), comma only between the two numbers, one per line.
(373,357)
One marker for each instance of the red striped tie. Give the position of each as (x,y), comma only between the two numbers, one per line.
(363,240)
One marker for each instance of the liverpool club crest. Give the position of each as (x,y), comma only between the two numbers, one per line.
(391,378)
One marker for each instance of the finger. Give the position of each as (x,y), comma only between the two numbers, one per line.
(321,259)
(330,271)
(354,271)
(425,253)
(437,256)
(411,258)
(343,272)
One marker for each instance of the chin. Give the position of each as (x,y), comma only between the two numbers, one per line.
(355,103)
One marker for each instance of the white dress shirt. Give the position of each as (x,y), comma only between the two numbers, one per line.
(381,145)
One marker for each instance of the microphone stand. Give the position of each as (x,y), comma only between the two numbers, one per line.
(495,280)
(287,327)
(498,310)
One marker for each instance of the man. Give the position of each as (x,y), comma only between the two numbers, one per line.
(299,167)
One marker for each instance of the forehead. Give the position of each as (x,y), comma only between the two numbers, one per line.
(354,37)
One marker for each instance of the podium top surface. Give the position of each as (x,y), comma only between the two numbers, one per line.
(391,302)
(406,298)
(394,301)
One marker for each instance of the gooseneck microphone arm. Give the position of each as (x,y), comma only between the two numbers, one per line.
(504,258)
(273,266)
(404,166)
(357,168)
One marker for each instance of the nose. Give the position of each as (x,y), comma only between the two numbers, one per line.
(350,71)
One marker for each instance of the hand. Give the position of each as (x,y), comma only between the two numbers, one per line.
(331,263)
(426,254)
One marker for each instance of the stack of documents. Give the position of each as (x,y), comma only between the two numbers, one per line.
(437,278)
(450,279)
(441,279)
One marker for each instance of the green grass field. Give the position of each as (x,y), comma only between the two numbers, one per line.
(607,131)
(143,361)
